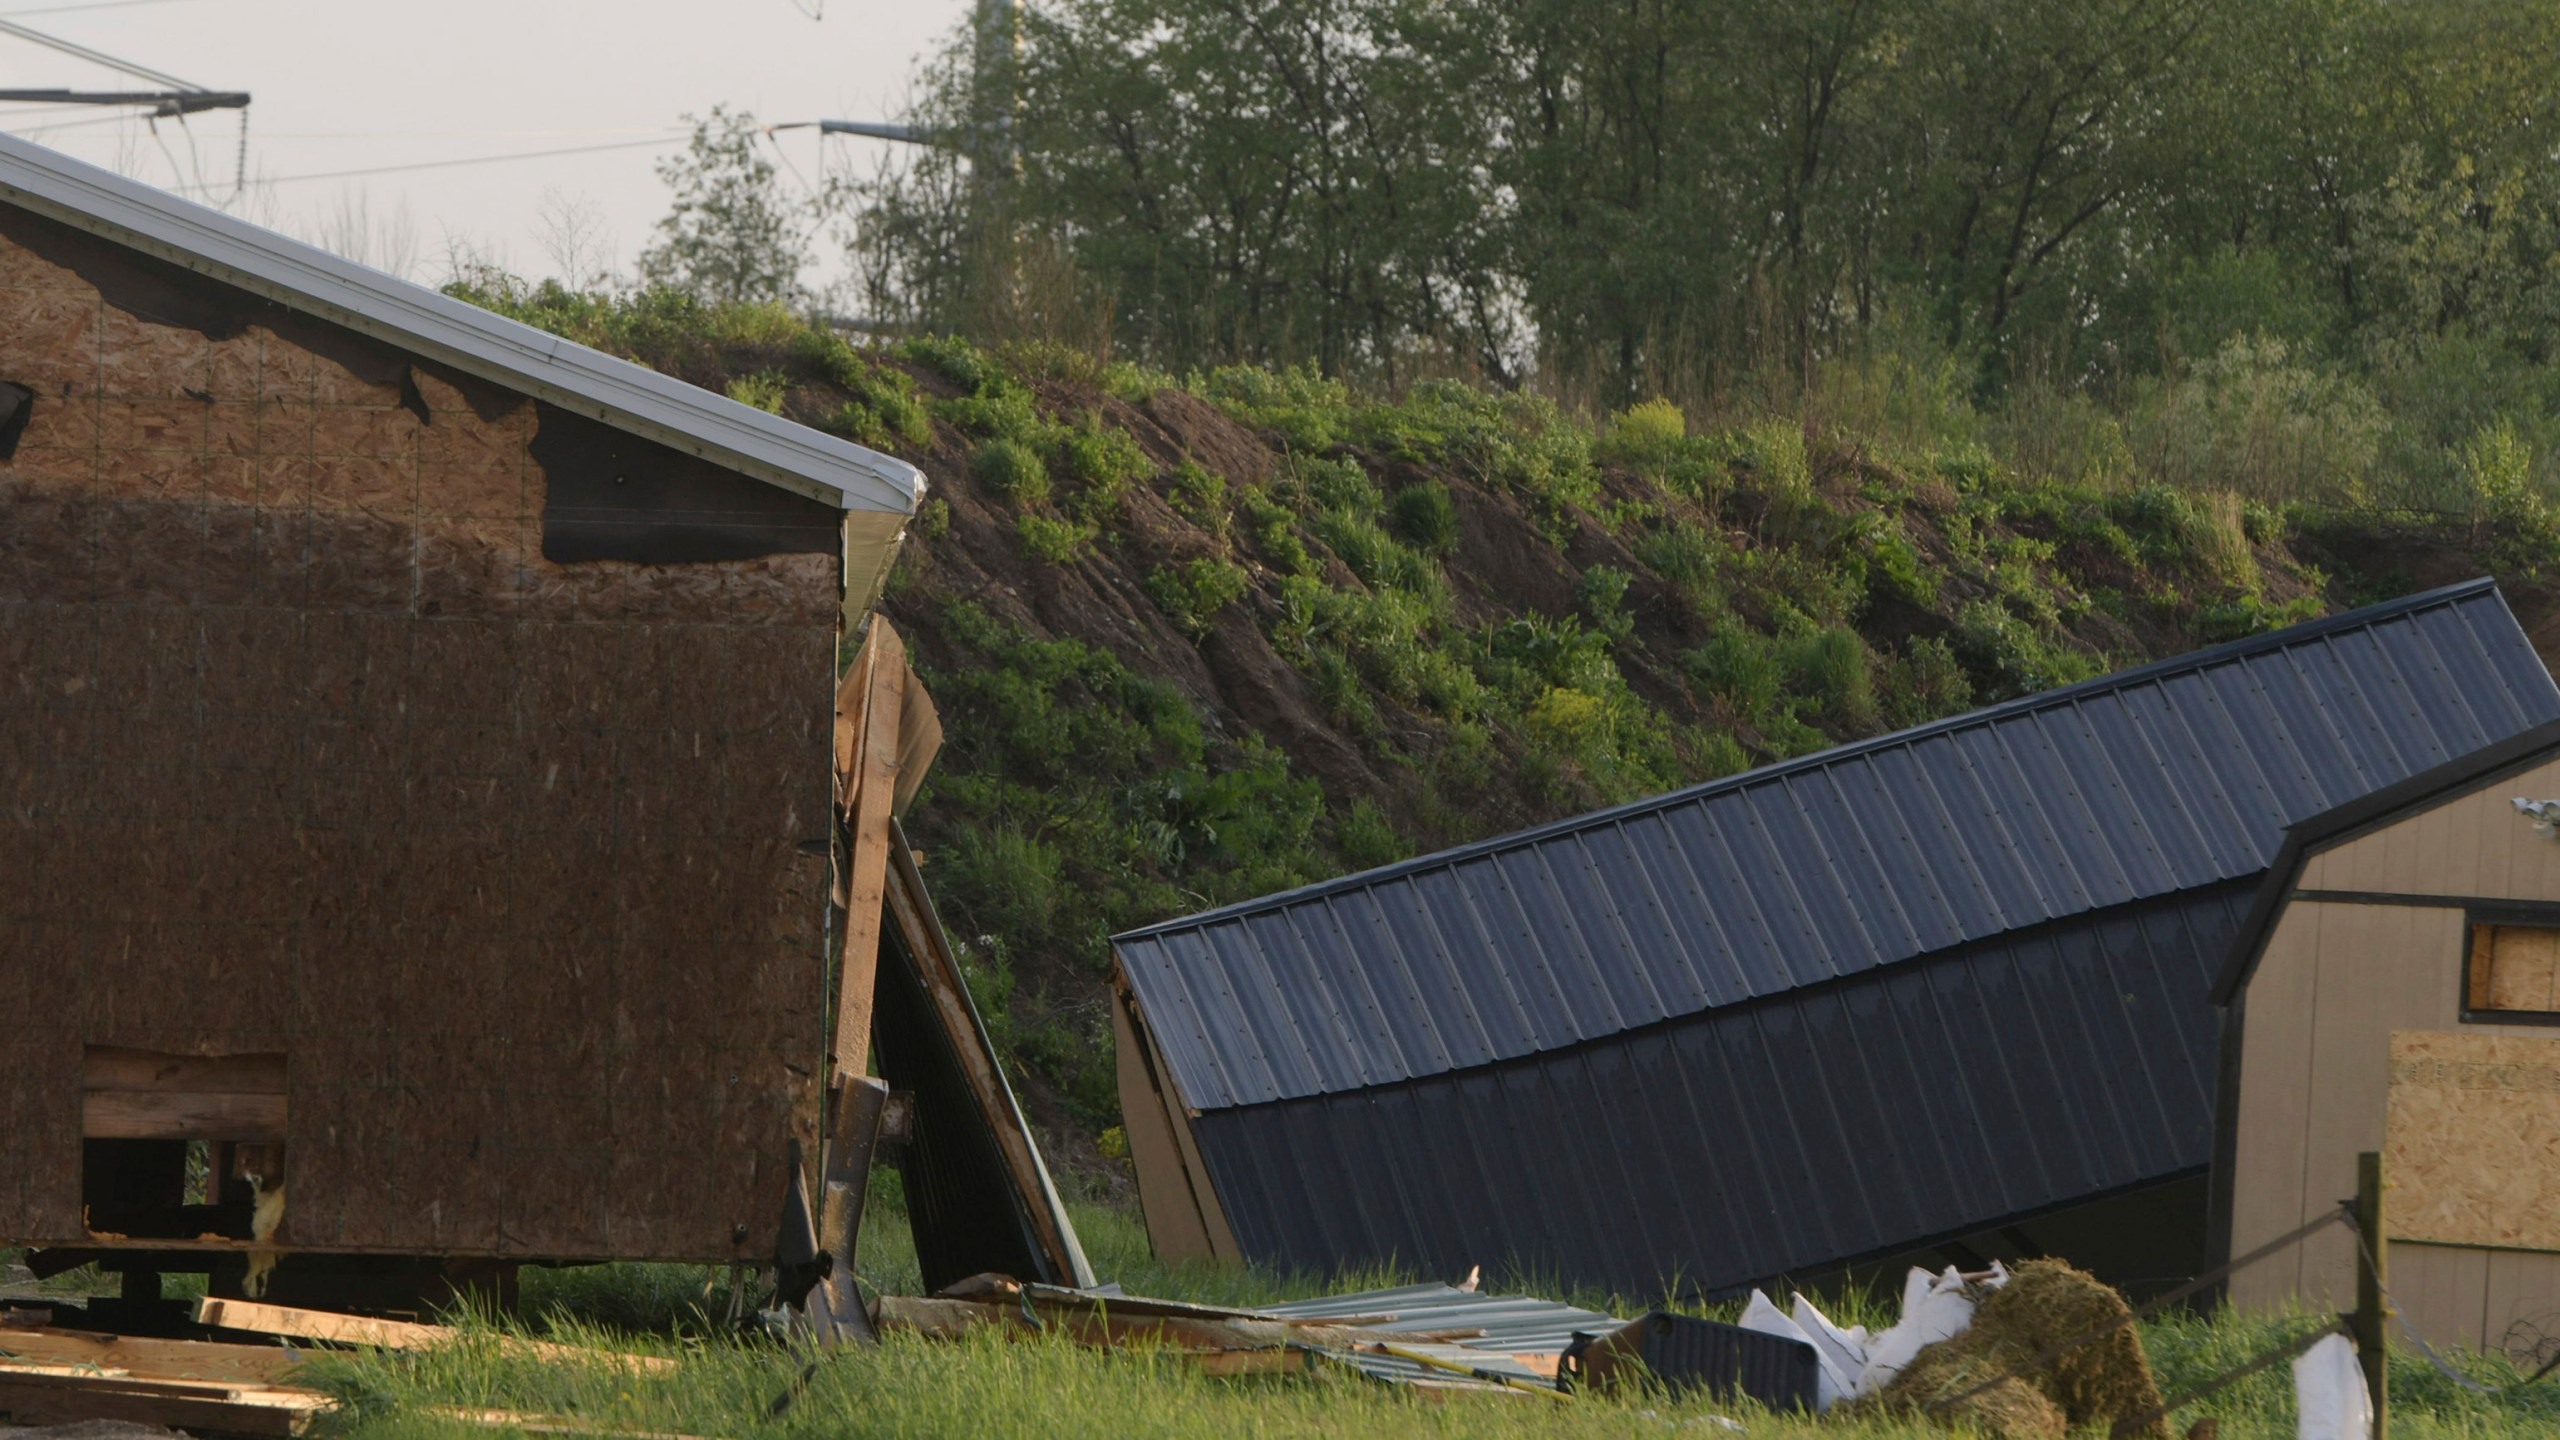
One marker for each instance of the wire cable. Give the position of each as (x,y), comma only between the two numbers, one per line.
(657,144)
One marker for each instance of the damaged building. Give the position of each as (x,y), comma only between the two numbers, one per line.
(1945,994)
(416,734)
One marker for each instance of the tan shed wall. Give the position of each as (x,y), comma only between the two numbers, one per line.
(2336,979)
(304,747)
(2473,845)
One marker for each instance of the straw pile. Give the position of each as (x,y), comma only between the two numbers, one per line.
(2045,1303)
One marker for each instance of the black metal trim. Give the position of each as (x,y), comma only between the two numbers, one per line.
(2483,767)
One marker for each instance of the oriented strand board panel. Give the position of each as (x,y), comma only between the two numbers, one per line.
(2472,1146)
(310,745)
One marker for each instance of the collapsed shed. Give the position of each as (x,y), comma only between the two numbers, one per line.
(1947,988)
(415,741)
(2395,990)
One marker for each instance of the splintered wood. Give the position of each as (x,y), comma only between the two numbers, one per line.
(2472,1143)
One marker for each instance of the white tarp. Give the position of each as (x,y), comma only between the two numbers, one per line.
(2329,1394)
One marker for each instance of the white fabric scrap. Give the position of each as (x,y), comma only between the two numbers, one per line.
(1934,1308)
(1843,1352)
(1763,1315)
(2329,1394)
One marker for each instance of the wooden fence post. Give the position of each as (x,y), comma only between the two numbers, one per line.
(2372,1320)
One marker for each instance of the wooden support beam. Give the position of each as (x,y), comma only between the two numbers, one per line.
(869,705)
(2372,1319)
(835,1312)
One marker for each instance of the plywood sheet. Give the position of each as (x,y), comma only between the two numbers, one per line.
(2472,1145)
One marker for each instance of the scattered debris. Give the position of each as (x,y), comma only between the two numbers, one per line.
(1680,1352)
(1434,1337)
(2038,1395)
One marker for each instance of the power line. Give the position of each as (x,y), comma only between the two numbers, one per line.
(96,57)
(94,5)
(660,143)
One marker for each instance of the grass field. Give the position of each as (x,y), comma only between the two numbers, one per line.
(991,1387)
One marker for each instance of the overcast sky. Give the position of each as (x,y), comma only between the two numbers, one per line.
(366,84)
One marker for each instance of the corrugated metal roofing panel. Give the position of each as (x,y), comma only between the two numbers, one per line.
(1775,1137)
(2134,786)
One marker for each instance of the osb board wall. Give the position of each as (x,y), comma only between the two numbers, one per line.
(2473,1139)
(2472,845)
(305,747)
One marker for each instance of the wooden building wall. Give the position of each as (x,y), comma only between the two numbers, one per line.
(2338,976)
(306,747)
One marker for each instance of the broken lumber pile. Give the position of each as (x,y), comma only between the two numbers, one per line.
(50,1375)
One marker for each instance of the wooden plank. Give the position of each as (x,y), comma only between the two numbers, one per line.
(919,741)
(1175,1229)
(104,1067)
(160,1115)
(865,807)
(393,1334)
(161,1359)
(34,1398)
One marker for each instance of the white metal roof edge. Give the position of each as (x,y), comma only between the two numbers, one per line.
(437,326)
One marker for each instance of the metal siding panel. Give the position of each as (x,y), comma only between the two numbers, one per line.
(1514,894)
(1870,857)
(1950,849)
(1594,886)
(1633,873)
(1733,905)
(1452,1006)
(1475,956)
(2146,821)
(1806,887)
(1902,869)
(2087,872)
(1366,984)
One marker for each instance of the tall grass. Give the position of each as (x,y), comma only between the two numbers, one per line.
(988,1387)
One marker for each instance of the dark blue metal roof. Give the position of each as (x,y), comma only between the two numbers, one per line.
(1789,1135)
(2144,784)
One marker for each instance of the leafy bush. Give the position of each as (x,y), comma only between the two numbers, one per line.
(1648,433)
(1102,462)
(1425,516)
(764,390)
(1056,541)
(1201,493)
(1191,594)
(1013,470)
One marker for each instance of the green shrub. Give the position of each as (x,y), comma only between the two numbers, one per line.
(1603,593)
(960,362)
(1192,593)
(2523,525)
(1924,682)
(1013,470)
(1201,494)
(1646,434)
(764,390)
(1275,530)
(1829,666)
(1366,839)
(1102,462)
(1740,668)
(1012,879)
(1056,541)
(1425,516)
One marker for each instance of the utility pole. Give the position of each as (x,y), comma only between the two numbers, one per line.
(176,98)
